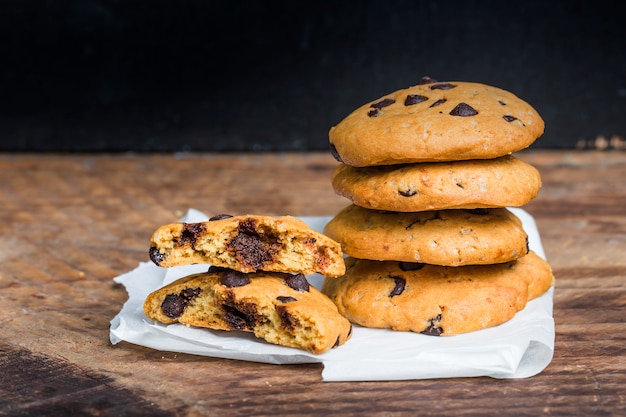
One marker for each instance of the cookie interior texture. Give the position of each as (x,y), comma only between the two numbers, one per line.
(436,121)
(248,243)
(437,300)
(282,309)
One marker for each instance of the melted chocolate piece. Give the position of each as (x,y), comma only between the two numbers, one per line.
(410,266)
(412,99)
(287,321)
(156,256)
(216,269)
(220,217)
(251,247)
(234,279)
(399,287)
(334,153)
(286,298)
(426,80)
(241,316)
(190,233)
(463,110)
(297,282)
(433,329)
(442,86)
(438,102)
(173,305)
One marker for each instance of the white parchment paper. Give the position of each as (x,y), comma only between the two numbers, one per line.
(519,348)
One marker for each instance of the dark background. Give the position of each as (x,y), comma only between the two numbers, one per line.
(200,75)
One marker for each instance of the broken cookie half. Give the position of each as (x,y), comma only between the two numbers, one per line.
(248,243)
(282,309)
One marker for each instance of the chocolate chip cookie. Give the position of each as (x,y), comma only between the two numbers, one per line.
(439,237)
(437,300)
(282,309)
(436,121)
(479,183)
(248,243)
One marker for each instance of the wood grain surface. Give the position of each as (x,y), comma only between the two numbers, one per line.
(70,223)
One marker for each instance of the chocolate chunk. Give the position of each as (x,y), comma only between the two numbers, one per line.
(287,321)
(426,80)
(251,247)
(173,305)
(438,102)
(297,282)
(442,86)
(510,118)
(286,298)
(334,153)
(156,256)
(399,287)
(412,99)
(241,316)
(433,329)
(234,279)
(410,266)
(375,107)
(190,233)
(220,217)
(463,110)
(216,269)
(382,103)
(407,193)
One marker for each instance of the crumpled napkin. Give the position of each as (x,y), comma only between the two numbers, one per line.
(519,348)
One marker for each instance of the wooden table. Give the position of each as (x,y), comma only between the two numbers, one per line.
(70,223)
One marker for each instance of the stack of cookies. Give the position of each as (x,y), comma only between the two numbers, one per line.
(256,282)
(430,173)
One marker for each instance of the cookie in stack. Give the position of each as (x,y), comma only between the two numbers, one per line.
(256,282)
(430,172)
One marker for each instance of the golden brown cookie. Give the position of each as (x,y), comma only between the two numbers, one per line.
(438,237)
(248,243)
(436,121)
(283,309)
(437,300)
(479,183)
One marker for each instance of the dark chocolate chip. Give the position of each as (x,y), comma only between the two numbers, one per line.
(220,217)
(510,118)
(287,321)
(234,279)
(398,287)
(173,305)
(463,110)
(382,103)
(407,193)
(502,103)
(216,269)
(426,80)
(297,282)
(438,102)
(190,233)
(334,153)
(433,328)
(286,298)
(412,99)
(442,86)
(251,247)
(241,316)
(410,266)
(156,256)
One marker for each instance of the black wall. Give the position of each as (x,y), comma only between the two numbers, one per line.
(178,75)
